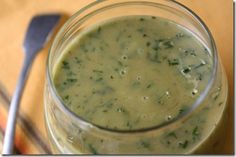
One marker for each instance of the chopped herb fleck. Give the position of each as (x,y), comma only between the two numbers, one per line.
(71,80)
(181,111)
(149,86)
(116,69)
(144,35)
(145,144)
(65,65)
(99,79)
(179,35)
(184,145)
(120,63)
(195,131)
(66,98)
(70,73)
(168,44)
(148,44)
(172,134)
(173,62)
(97,71)
(186,70)
(77,60)
(92,149)
(129,125)
(156,47)
(141,19)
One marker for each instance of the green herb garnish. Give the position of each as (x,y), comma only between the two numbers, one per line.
(144,35)
(92,149)
(66,98)
(186,70)
(99,79)
(141,19)
(104,110)
(149,86)
(179,35)
(65,65)
(129,125)
(172,134)
(168,44)
(184,145)
(71,80)
(145,144)
(97,71)
(195,131)
(173,62)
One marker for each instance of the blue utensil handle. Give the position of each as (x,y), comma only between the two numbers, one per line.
(8,143)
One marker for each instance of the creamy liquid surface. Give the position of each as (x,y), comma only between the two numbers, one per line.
(132,72)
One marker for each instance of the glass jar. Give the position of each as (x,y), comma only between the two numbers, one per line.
(70,134)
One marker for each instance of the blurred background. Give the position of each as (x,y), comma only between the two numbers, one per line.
(15,16)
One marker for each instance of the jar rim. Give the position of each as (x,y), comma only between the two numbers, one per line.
(184,114)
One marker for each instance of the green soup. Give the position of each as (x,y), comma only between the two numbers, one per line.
(136,72)
(132,72)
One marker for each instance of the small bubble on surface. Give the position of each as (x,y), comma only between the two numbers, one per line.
(145,98)
(194,92)
(123,72)
(138,78)
(124,57)
(168,117)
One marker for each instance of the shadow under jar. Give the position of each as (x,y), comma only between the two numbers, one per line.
(135,77)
